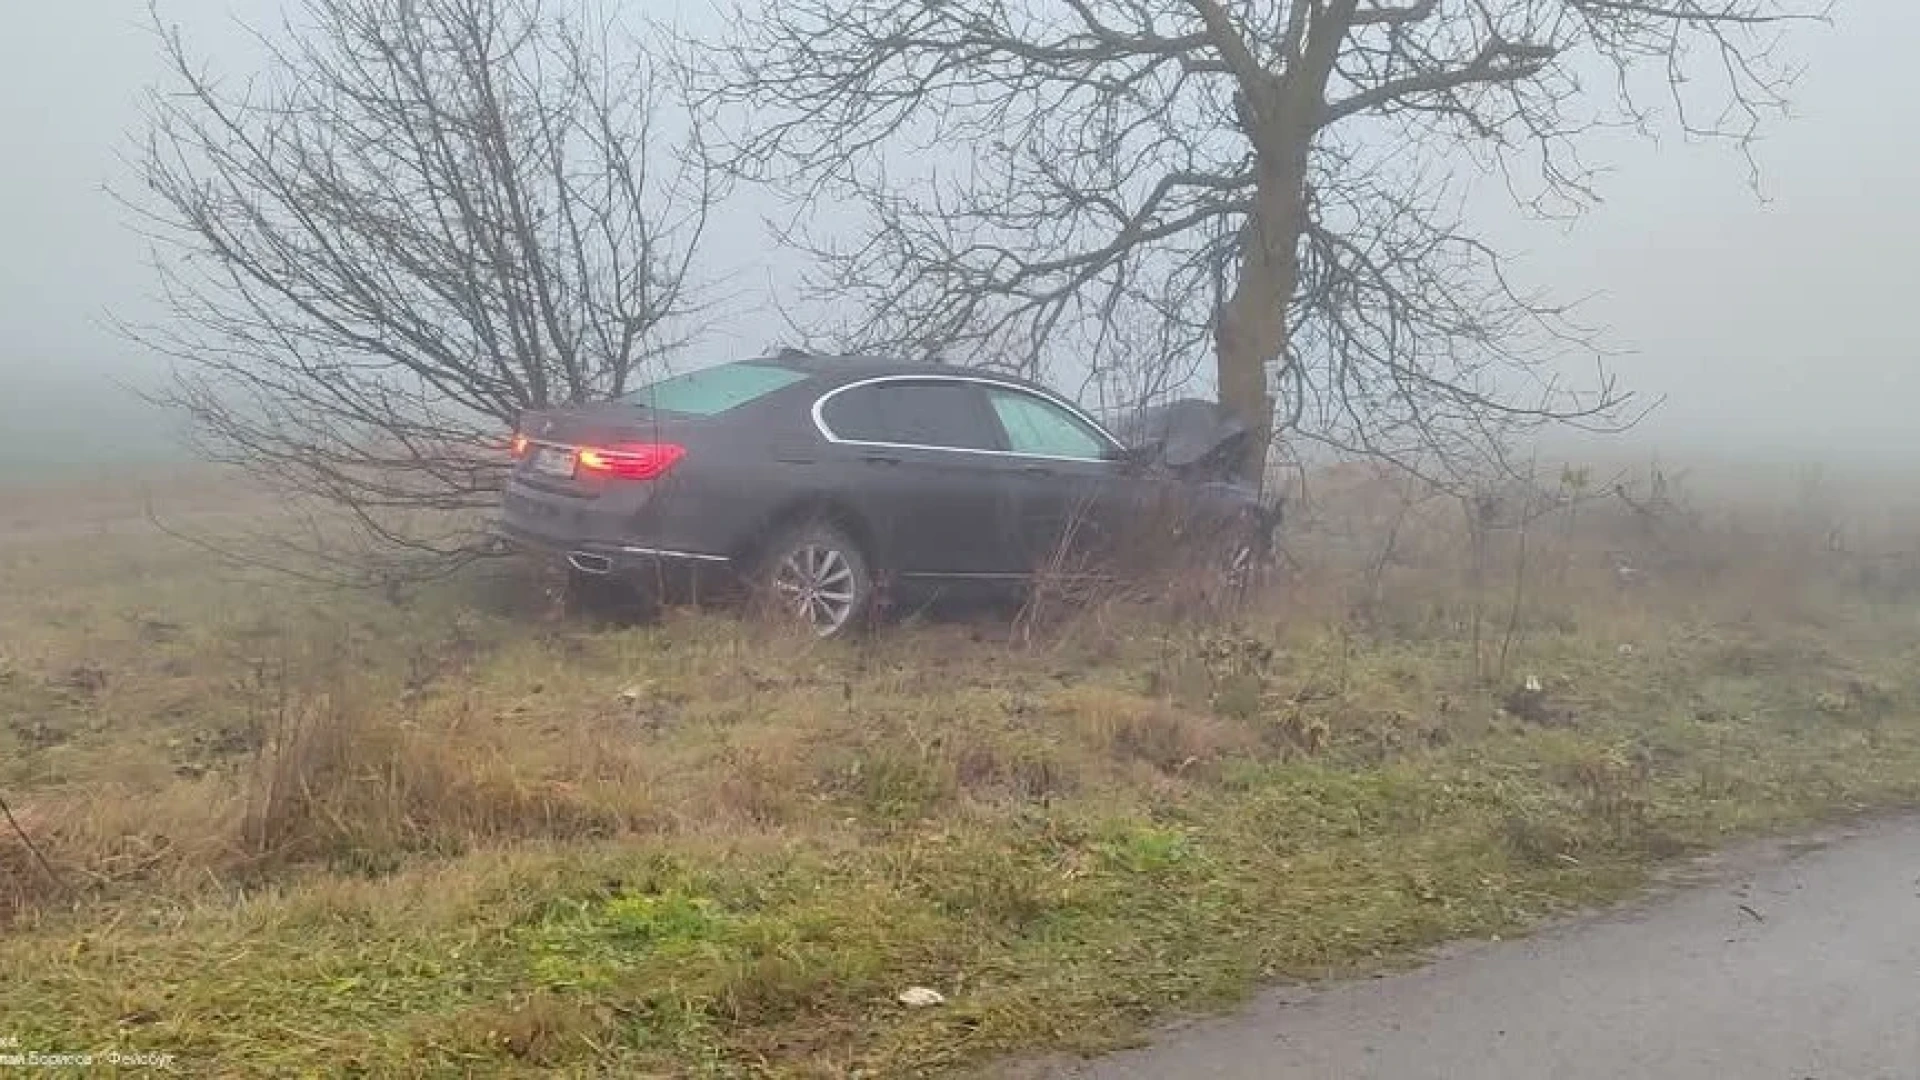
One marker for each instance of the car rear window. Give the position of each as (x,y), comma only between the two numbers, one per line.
(942,415)
(714,390)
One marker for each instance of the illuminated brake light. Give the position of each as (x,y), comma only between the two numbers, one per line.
(520,444)
(631,461)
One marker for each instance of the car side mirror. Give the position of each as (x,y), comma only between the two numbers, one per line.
(1133,456)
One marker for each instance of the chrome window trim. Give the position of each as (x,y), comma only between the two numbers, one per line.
(820,423)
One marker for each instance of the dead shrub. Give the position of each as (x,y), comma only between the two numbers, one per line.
(1610,787)
(891,781)
(1166,567)
(977,765)
(1298,728)
(339,776)
(1539,838)
(439,797)
(310,751)
(993,886)
(1127,728)
(1036,776)
(758,789)
(543,1029)
(1015,768)
(29,879)
(109,836)
(1378,736)
(770,987)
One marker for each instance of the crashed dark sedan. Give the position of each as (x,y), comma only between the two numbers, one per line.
(828,485)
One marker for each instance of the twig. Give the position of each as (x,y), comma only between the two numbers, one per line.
(1477,540)
(1388,550)
(1519,578)
(234,558)
(39,857)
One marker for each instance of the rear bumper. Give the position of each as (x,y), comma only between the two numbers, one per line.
(599,557)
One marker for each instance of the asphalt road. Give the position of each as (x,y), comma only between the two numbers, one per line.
(1797,961)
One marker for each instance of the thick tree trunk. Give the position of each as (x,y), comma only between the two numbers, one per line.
(1283,115)
(1253,327)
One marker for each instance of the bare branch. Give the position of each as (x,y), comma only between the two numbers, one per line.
(1396,16)
(420,219)
(1497,62)
(1261,194)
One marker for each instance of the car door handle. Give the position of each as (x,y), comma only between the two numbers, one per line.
(879,459)
(1036,470)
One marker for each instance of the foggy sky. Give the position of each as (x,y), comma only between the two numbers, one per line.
(1785,327)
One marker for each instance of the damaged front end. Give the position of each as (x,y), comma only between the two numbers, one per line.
(1203,444)
(1193,438)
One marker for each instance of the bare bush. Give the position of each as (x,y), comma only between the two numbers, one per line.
(421,219)
(1165,561)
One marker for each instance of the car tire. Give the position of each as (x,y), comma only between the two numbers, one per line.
(816,574)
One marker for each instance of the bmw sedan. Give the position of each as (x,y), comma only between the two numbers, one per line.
(827,484)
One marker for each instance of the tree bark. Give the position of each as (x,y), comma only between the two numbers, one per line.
(1253,324)
(1254,328)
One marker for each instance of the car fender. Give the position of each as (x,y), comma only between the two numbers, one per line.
(810,506)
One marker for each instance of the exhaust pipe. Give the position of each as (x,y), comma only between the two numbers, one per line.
(590,564)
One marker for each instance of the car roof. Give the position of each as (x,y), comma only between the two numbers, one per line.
(848,368)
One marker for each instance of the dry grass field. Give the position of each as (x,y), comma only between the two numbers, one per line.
(274,828)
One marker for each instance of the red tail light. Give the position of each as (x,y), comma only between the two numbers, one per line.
(520,444)
(631,461)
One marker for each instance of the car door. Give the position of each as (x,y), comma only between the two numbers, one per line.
(1064,491)
(922,460)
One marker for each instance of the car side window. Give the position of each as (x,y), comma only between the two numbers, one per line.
(1035,425)
(933,413)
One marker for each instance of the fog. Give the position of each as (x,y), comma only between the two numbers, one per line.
(1772,326)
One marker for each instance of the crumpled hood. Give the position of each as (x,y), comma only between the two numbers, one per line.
(1187,433)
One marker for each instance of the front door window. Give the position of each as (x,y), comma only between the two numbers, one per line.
(1037,426)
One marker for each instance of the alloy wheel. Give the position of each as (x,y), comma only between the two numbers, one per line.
(816,582)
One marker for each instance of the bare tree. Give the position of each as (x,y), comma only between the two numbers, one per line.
(422,218)
(1277,185)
